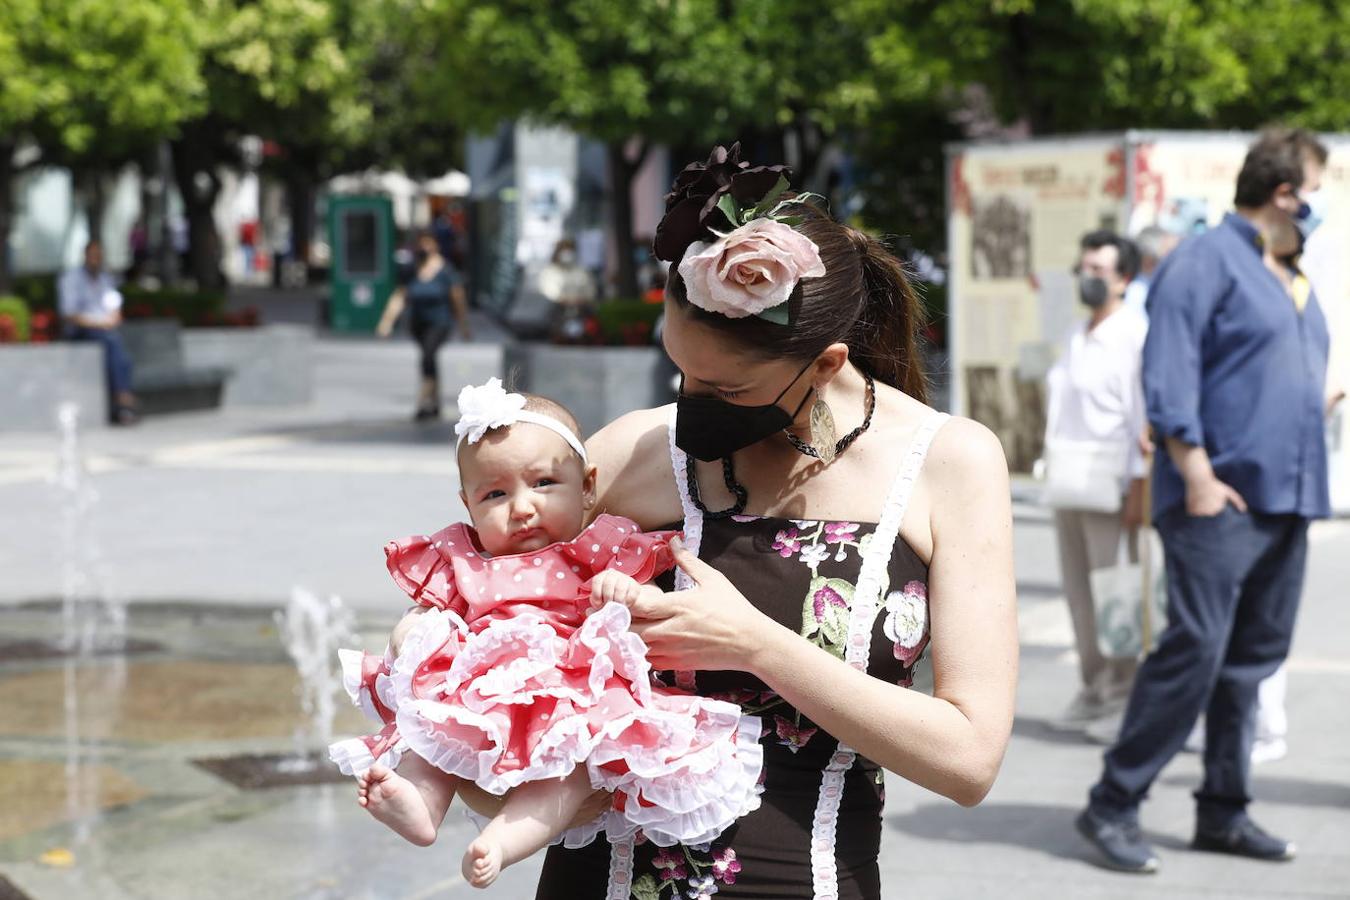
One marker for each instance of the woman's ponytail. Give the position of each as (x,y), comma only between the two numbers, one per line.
(883,340)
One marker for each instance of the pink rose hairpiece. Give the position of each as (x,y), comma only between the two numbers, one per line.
(484,407)
(732,234)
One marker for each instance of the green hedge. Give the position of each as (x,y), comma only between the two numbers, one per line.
(192,308)
(14,320)
(627,322)
(38,291)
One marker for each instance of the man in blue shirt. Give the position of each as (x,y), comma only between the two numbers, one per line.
(1234,383)
(91,310)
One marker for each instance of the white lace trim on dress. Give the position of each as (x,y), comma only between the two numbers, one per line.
(872,581)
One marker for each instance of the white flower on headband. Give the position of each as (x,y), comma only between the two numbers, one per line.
(750,270)
(483,407)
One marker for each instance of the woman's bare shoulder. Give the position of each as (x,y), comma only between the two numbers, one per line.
(966,464)
(634,477)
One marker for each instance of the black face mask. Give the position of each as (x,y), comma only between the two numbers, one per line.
(1092,291)
(709,428)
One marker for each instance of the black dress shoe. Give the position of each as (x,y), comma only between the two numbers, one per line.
(1121,844)
(1243,837)
(124,415)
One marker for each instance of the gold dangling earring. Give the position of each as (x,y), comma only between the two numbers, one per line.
(823,436)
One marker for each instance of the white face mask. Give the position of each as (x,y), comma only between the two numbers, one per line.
(567,257)
(1312,211)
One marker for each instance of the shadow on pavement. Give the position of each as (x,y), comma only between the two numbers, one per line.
(1041,828)
(1044,730)
(1289,791)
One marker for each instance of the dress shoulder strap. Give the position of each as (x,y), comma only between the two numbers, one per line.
(693,516)
(873,575)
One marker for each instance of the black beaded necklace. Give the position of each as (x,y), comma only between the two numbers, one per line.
(729,476)
(739,491)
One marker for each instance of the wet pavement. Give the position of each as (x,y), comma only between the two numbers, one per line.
(105,794)
(185,536)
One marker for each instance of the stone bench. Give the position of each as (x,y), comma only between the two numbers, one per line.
(270,365)
(598,384)
(38,378)
(160,378)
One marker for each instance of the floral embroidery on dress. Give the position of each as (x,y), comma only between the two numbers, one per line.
(906,626)
(699,868)
(791,734)
(906,621)
(787,542)
(825,613)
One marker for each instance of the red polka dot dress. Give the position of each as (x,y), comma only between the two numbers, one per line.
(508,679)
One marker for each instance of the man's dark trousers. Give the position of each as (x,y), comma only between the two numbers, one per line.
(1233,587)
(116,360)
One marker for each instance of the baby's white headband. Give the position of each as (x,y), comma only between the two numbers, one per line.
(484,407)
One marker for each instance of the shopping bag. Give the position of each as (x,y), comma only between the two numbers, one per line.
(1129,600)
(1084,475)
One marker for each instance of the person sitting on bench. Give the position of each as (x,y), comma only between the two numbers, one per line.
(91,310)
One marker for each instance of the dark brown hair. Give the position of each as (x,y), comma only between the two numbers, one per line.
(1276,158)
(864,300)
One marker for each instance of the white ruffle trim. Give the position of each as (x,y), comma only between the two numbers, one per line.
(352,756)
(353,682)
(695,771)
(693,798)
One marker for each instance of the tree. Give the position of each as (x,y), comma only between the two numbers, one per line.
(628,74)
(90,84)
(280,69)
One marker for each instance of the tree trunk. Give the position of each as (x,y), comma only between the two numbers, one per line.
(91,181)
(300,206)
(621,172)
(166,255)
(7,176)
(198,203)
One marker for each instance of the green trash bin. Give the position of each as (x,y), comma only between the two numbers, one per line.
(361,233)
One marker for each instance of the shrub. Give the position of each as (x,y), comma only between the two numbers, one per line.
(14,320)
(192,308)
(37,291)
(627,323)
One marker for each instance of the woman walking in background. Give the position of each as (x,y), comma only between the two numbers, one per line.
(433,294)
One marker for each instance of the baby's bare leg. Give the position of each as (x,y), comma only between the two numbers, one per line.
(534,814)
(412,801)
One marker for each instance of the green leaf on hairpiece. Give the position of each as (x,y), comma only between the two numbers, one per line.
(728,207)
(790,221)
(770,198)
(775,314)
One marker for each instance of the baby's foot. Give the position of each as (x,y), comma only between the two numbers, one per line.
(482,862)
(395,801)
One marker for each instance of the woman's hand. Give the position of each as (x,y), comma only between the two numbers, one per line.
(710,626)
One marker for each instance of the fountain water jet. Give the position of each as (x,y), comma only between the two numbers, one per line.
(313,630)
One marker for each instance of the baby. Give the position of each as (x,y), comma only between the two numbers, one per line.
(518,671)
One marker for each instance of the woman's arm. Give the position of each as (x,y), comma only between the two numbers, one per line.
(459,305)
(952,742)
(392,310)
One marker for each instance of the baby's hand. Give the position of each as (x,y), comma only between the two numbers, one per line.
(611,586)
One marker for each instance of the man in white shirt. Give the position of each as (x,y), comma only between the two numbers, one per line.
(1096,411)
(91,310)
